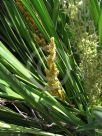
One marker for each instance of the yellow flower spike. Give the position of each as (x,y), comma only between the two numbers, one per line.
(52,72)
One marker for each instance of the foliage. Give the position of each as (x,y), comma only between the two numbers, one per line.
(50,88)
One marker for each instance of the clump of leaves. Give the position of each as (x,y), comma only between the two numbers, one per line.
(27,106)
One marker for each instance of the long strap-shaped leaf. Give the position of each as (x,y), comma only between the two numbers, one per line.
(17,66)
(6,128)
(100,26)
(95,10)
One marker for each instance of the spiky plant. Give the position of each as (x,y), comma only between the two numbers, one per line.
(50,67)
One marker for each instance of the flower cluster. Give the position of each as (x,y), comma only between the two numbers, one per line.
(90,66)
(86,41)
(73,11)
(30,21)
(52,72)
